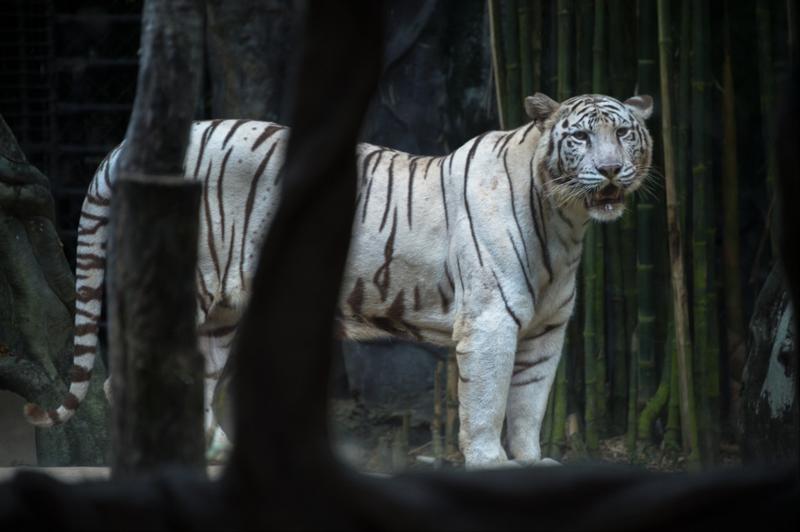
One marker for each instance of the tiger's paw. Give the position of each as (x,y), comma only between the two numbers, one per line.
(219,448)
(544,462)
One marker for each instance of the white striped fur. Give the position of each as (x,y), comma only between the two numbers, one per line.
(476,250)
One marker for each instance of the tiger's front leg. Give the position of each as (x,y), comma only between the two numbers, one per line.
(485,348)
(535,368)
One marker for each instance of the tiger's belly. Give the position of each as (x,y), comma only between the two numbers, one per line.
(397,284)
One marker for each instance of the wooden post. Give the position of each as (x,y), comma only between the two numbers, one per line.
(157,371)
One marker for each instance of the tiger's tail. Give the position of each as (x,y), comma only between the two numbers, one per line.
(90,273)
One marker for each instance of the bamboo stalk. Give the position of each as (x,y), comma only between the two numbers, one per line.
(511,51)
(700,222)
(598,311)
(622,61)
(633,375)
(599,65)
(655,404)
(680,299)
(497,62)
(591,345)
(559,442)
(526,63)
(683,112)
(547,425)
(564,17)
(766,79)
(599,86)
(615,325)
(584,42)
(536,44)
(672,434)
(622,67)
(645,207)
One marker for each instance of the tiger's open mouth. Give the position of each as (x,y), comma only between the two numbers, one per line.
(606,198)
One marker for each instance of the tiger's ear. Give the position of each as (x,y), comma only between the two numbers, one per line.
(641,105)
(539,107)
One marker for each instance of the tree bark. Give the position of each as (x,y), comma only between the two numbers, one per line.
(157,370)
(341,52)
(37,291)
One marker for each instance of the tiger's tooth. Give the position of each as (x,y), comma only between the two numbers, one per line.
(609,207)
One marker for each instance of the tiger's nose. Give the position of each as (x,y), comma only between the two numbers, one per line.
(609,171)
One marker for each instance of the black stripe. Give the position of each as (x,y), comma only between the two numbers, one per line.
(513,206)
(203,142)
(460,276)
(267,133)
(547,329)
(528,381)
(449,277)
(520,367)
(444,197)
(230,256)
(248,206)
(98,200)
(427,166)
(412,166)
(220,203)
(390,186)
(542,243)
(366,200)
(209,226)
(235,126)
(522,267)
(367,158)
(377,161)
(505,301)
(107,175)
(470,155)
(506,140)
(525,133)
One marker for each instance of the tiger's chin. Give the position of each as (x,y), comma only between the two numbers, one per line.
(606,204)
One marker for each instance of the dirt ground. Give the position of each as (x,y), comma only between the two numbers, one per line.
(371,442)
(379,444)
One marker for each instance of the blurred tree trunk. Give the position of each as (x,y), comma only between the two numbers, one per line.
(36,318)
(157,370)
(732,293)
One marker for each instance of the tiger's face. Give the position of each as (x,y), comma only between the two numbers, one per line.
(594,150)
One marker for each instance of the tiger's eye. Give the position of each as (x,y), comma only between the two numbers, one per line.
(621,132)
(580,135)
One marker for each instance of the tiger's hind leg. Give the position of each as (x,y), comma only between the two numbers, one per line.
(214,343)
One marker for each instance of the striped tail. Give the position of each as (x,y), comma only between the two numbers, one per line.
(91,260)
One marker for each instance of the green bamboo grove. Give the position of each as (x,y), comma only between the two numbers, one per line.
(653,358)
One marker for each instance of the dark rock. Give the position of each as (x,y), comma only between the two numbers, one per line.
(769,392)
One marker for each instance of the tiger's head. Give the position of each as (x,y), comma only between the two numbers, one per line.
(593,150)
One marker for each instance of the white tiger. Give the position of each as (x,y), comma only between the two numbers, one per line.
(477,250)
